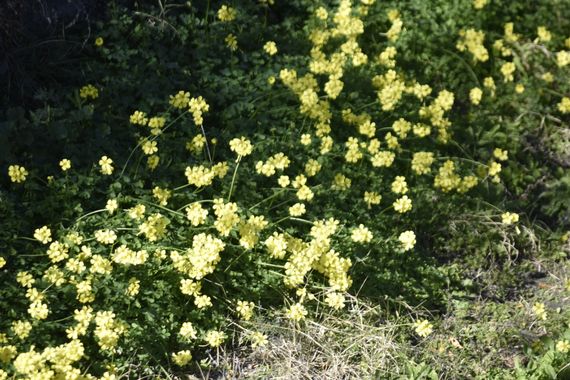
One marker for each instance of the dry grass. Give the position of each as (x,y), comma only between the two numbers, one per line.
(357,343)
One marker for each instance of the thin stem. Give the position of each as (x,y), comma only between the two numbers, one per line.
(234,178)
(266,199)
(207,145)
(90,213)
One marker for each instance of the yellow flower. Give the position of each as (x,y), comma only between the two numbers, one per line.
(180,100)
(65,164)
(215,338)
(507,69)
(564,105)
(138,117)
(111,205)
(181,358)
(479,4)
(203,301)
(475,95)
(501,155)
(99,41)
(399,186)
(88,91)
(245,309)
(563,346)
(241,146)
(105,236)
(226,14)
(472,40)
(258,339)
(297,209)
(270,48)
(408,240)
(187,331)
(543,34)
(372,198)
(43,234)
(335,300)
(17,173)
(2,262)
(321,13)
(134,287)
(509,218)
(196,214)
(106,165)
(423,328)
(296,312)
(403,204)
(361,234)
(539,309)
(231,42)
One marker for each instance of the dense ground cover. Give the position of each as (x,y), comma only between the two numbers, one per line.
(288,189)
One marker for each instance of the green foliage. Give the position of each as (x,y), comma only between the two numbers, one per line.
(159,115)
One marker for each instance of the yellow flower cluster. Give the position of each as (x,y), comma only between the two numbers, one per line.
(43,234)
(408,240)
(106,165)
(564,105)
(245,309)
(226,216)
(52,363)
(201,259)
(509,218)
(108,330)
(17,173)
(231,42)
(447,179)
(475,95)
(296,312)
(479,4)
(57,252)
(423,328)
(372,198)
(126,256)
(361,234)
(543,34)
(507,69)
(421,162)
(402,205)
(472,41)
(139,118)
(197,107)
(187,331)
(335,300)
(241,146)
(399,185)
(249,231)
(276,245)
(196,214)
(226,13)
(215,338)
(154,227)
(180,100)
(161,195)
(539,309)
(201,176)
(182,358)
(270,48)
(105,236)
(278,161)
(65,164)
(88,91)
